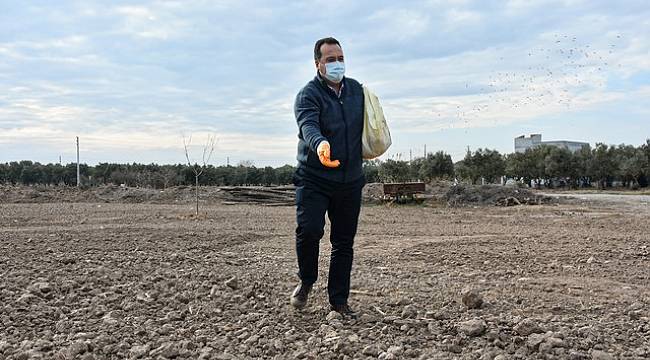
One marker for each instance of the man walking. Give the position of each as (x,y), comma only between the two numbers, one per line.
(329,177)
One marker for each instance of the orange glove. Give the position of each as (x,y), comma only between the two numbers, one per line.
(324,155)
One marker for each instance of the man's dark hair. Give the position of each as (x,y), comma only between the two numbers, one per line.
(319,43)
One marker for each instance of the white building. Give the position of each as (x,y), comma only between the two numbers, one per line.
(523,143)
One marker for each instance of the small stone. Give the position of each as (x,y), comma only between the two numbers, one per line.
(397,350)
(411,353)
(4,345)
(488,354)
(68,260)
(77,347)
(27,298)
(252,340)
(577,355)
(168,350)
(402,302)
(166,329)
(522,353)
(24,355)
(475,327)
(601,355)
(390,319)
(590,260)
(354,338)
(144,297)
(232,283)
(206,353)
(325,329)
(42,345)
(442,314)
(453,348)
(472,299)
(84,336)
(545,348)
(534,340)
(555,342)
(526,327)
(333,315)
(434,328)
(115,314)
(409,311)
(387,356)
(40,288)
(109,321)
(175,316)
(635,306)
(371,350)
(138,351)
(642,351)
(109,349)
(278,345)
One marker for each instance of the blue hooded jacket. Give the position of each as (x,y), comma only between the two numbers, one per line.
(322,115)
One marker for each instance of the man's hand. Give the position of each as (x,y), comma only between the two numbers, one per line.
(324,155)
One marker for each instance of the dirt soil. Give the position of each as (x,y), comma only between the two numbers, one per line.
(172,195)
(436,192)
(97,280)
(465,195)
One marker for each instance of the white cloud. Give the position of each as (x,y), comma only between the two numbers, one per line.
(550,74)
(67,42)
(237,145)
(9,52)
(399,24)
(136,12)
(149,23)
(233,68)
(456,18)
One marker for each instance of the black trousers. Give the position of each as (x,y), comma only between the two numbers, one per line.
(342,202)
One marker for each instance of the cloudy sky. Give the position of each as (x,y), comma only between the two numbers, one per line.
(131,77)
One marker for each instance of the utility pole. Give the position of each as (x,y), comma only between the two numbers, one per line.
(59,159)
(410,156)
(78,172)
(227,160)
(425,150)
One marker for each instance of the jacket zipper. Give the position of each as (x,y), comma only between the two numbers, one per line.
(347,146)
(345,123)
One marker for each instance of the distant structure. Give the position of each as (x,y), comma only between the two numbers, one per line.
(523,143)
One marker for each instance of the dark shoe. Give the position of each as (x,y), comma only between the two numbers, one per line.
(345,310)
(300,296)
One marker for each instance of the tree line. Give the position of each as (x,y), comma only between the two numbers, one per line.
(162,176)
(550,166)
(151,175)
(602,166)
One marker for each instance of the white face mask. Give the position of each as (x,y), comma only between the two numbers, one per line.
(335,71)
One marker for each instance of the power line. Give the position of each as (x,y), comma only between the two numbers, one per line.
(78,172)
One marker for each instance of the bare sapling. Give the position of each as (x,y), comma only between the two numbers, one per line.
(197,169)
